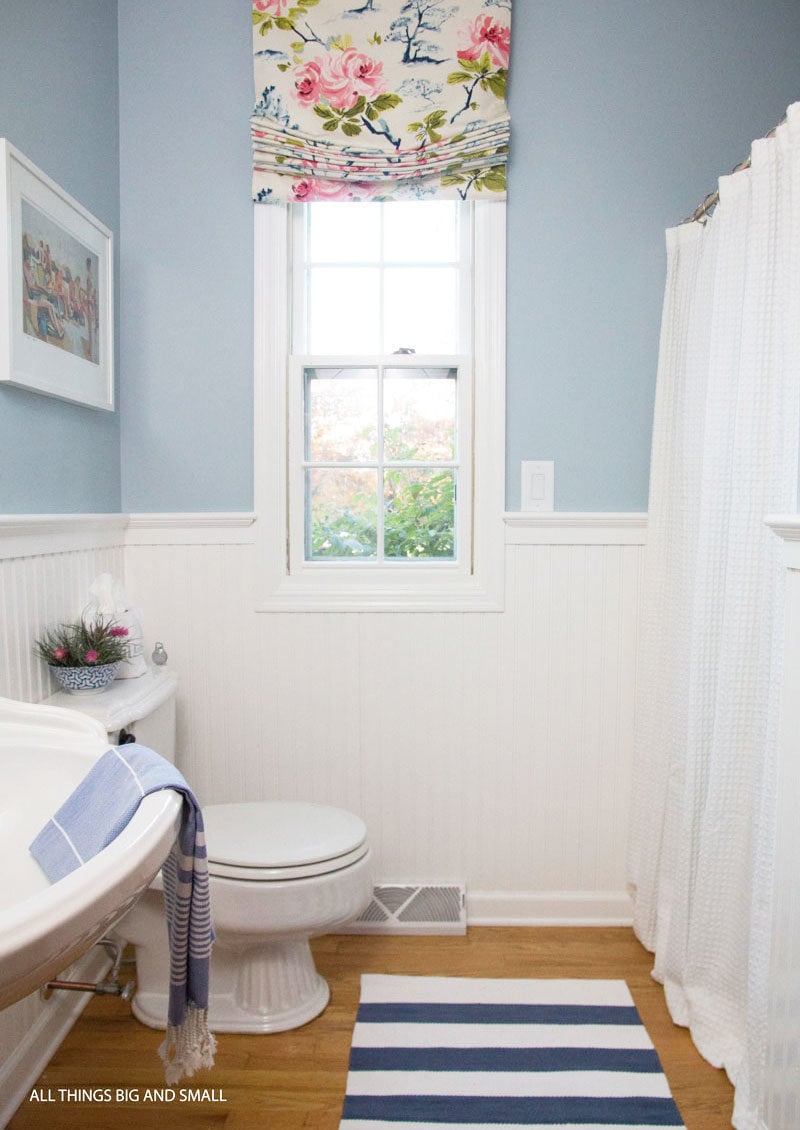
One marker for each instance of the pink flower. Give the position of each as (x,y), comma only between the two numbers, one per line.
(485,34)
(310,188)
(274,7)
(91,656)
(118,633)
(59,653)
(308,82)
(347,75)
(304,190)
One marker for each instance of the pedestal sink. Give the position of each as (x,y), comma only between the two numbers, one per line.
(44,752)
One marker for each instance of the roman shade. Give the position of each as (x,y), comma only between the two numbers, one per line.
(383,100)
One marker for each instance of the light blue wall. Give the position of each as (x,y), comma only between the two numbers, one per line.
(186,92)
(59,106)
(624,113)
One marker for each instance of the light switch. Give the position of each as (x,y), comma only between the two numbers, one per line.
(537,484)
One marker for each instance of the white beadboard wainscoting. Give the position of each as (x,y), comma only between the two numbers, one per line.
(489,748)
(47,564)
(483,747)
(780,1107)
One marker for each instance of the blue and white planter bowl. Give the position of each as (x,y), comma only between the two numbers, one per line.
(86,680)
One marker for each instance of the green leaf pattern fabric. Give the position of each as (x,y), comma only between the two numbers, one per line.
(384,100)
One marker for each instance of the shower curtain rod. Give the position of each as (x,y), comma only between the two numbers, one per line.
(701,212)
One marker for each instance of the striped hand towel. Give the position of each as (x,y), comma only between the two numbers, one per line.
(94,814)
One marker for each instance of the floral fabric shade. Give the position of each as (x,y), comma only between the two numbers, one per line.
(381,100)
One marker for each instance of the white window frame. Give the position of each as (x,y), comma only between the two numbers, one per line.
(475,583)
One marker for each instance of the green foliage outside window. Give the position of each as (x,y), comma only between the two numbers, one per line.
(419,514)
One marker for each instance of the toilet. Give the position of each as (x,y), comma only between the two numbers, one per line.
(279,873)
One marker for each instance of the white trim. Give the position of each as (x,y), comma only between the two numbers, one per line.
(426,589)
(575,528)
(31,535)
(549,908)
(787,527)
(234,528)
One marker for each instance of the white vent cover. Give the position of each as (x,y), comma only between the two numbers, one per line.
(408,909)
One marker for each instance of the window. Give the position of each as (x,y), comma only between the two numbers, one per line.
(380,449)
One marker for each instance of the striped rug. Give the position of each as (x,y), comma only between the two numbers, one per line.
(463,1052)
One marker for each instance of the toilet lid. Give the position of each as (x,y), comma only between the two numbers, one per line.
(263,840)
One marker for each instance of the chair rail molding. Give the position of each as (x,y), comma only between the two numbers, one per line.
(193,528)
(787,528)
(29,535)
(562,527)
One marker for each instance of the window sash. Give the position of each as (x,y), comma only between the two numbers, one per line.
(462,463)
(299,253)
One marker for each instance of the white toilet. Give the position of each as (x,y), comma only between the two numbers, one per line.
(280,872)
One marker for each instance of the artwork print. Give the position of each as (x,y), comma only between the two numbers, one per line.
(60,303)
(56,289)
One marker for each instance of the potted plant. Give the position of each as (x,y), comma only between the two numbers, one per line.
(84,656)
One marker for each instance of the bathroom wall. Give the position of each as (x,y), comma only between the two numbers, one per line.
(490,748)
(623,116)
(494,748)
(186,92)
(59,106)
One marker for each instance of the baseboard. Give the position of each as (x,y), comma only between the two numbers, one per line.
(548,908)
(39,1043)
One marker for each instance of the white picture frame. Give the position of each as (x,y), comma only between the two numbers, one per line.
(56,288)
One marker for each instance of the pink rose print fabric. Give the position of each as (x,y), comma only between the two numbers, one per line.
(381,100)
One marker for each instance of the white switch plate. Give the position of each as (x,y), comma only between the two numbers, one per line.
(538,477)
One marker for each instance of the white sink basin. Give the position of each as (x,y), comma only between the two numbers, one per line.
(44,926)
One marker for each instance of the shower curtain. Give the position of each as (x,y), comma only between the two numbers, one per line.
(724,455)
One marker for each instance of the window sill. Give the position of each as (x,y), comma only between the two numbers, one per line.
(429,593)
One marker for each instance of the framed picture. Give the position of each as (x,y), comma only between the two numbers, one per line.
(56,288)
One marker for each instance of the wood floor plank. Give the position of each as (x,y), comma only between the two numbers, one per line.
(296,1080)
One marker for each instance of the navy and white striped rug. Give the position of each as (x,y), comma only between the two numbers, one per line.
(463,1052)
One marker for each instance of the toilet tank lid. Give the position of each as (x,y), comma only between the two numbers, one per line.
(125,701)
(279,833)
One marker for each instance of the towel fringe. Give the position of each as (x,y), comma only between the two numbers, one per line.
(188,1047)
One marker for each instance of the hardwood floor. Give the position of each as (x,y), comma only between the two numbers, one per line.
(295,1080)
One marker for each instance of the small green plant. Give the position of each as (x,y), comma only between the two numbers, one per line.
(83,644)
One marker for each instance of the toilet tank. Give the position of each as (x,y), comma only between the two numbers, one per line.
(143,707)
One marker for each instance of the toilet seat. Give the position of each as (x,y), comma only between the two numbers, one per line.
(268,841)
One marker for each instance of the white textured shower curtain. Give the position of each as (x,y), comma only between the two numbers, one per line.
(725,454)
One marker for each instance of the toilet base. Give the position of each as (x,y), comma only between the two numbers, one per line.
(272,988)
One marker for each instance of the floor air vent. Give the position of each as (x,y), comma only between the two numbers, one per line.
(397,909)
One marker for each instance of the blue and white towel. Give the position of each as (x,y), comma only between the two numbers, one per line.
(483,1053)
(94,815)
